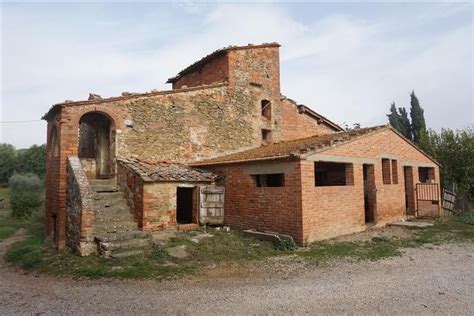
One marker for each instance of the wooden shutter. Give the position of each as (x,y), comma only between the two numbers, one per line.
(212,205)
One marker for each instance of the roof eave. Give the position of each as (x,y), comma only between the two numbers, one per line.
(204,163)
(414,145)
(304,109)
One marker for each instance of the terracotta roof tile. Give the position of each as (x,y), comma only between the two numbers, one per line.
(162,171)
(294,148)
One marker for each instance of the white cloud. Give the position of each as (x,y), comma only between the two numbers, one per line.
(344,66)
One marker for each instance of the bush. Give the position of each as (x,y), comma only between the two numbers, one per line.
(286,245)
(467,218)
(25,204)
(27,182)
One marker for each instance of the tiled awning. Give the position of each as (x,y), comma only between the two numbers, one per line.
(160,171)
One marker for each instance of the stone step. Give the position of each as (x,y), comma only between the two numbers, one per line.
(119,236)
(111,227)
(124,245)
(105,188)
(108,203)
(125,254)
(111,181)
(110,218)
(113,209)
(109,195)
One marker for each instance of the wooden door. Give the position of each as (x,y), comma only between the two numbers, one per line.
(211,205)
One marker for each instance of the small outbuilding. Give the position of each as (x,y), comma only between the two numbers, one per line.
(328,185)
(163,194)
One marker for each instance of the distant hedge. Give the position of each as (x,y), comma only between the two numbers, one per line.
(26,194)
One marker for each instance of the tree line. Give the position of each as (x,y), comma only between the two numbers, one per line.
(21,161)
(454,149)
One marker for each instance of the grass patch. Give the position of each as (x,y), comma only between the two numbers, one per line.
(443,231)
(360,251)
(221,248)
(4,192)
(156,263)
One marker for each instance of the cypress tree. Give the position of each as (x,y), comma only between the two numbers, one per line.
(405,123)
(418,125)
(394,118)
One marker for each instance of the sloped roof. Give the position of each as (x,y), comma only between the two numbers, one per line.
(161,171)
(305,109)
(215,54)
(301,147)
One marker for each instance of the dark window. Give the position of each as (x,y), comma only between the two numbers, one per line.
(386,178)
(54,143)
(266,136)
(394,171)
(426,174)
(269,180)
(266,109)
(333,174)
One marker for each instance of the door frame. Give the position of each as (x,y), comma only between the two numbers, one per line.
(370,193)
(194,203)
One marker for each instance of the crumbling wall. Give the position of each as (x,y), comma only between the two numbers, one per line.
(215,71)
(190,125)
(80,214)
(132,185)
(295,125)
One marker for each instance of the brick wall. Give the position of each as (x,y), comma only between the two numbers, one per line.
(153,205)
(296,125)
(247,206)
(216,71)
(332,211)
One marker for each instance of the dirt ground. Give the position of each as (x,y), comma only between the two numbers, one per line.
(427,280)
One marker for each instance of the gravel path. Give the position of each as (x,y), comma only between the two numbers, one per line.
(438,280)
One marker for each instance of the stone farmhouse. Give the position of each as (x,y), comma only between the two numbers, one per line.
(224,146)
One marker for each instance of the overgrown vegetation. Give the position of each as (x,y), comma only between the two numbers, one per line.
(31,160)
(26,195)
(221,248)
(467,218)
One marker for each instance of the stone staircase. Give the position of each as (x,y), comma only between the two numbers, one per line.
(116,234)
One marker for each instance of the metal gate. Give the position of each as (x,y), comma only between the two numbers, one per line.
(211,205)
(427,199)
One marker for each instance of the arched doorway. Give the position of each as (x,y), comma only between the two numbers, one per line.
(97,145)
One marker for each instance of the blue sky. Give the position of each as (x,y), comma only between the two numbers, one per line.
(347,61)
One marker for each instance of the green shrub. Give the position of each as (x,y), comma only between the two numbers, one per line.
(467,218)
(25,204)
(27,182)
(285,245)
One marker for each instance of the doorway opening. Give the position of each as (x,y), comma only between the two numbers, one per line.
(370,197)
(184,205)
(409,190)
(97,145)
